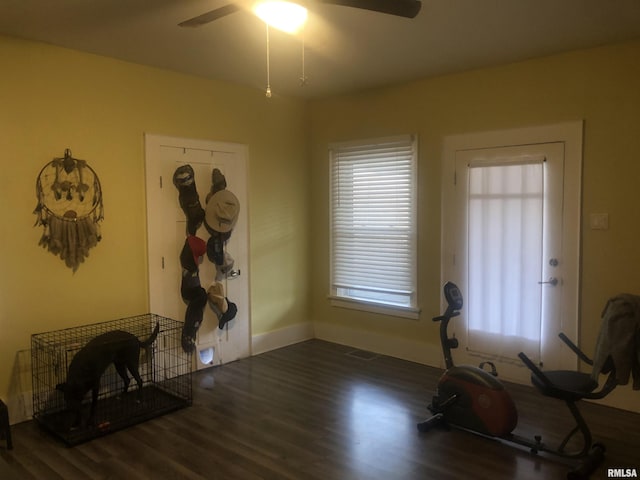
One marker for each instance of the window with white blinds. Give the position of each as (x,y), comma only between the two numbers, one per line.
(373,222)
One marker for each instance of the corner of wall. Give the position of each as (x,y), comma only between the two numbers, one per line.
(282,337)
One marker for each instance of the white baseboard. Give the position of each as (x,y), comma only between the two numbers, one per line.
(282,337)
(402,348)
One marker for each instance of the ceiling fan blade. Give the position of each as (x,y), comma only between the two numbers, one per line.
(401,8)
(210,16)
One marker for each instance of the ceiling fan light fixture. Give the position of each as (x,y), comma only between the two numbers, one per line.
(286,16)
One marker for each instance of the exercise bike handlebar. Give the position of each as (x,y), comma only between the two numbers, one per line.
(454,304)
(536,371)
(446,342)
(581,355)
(446,316)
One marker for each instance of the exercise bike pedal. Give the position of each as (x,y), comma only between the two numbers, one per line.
(436,406)
(430,423)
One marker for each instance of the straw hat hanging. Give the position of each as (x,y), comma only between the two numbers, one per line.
(69,208)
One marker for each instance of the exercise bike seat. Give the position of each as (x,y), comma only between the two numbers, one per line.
(564,384)
(568,385)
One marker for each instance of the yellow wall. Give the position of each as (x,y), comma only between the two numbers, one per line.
(601,86)
(53,98)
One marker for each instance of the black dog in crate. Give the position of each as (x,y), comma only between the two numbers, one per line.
(118,347)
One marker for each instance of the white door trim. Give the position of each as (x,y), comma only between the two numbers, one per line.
(570,134)
(235,340)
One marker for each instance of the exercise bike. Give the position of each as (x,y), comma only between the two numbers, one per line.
(473,399)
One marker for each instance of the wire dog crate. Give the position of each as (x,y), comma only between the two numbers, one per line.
(164,368)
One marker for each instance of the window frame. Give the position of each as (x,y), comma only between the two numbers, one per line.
(344,301)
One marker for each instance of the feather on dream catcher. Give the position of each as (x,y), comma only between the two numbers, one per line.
(69,208)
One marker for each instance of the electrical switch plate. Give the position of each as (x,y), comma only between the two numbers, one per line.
(599,221)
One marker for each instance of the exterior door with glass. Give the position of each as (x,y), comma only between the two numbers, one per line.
(504,241)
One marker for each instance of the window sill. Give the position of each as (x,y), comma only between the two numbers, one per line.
(391,310)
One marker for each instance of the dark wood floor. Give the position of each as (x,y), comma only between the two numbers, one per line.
(317,410)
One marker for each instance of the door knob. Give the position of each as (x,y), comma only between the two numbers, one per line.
(552,281)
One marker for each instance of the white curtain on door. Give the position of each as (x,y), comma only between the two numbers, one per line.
(505,240)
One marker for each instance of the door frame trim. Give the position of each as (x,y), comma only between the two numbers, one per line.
(568,133)
(153,143)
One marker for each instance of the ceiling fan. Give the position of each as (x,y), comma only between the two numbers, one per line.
(400,8)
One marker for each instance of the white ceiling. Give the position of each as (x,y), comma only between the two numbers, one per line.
(345,49)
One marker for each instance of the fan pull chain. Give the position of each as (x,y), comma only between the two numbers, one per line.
(303,78)
(268,92)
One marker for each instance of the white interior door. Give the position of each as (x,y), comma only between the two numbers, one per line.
(166,231)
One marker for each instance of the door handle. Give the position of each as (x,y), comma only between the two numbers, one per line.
(233,274)
(552,281)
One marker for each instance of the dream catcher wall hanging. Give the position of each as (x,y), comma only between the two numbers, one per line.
(69,208)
